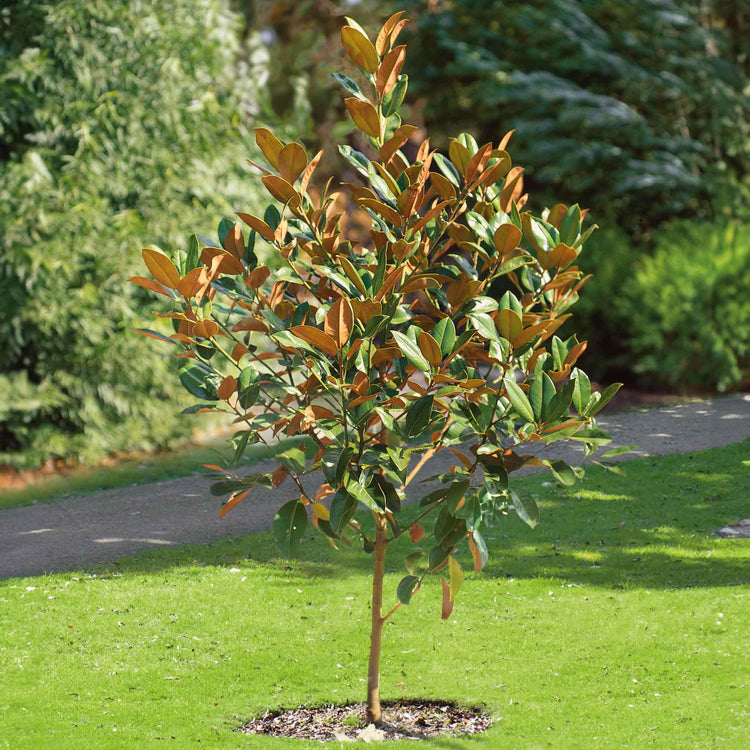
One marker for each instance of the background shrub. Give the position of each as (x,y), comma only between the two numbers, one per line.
(676,309)
(117,119)
(689,309)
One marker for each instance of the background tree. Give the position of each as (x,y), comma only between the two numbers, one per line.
(629,106)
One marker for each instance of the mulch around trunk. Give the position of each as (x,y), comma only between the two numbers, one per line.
(403,720)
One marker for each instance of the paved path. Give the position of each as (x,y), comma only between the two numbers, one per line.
(105,526)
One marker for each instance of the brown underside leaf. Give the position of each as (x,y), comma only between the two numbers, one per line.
(339,321)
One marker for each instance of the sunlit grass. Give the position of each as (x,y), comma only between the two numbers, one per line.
(621,620)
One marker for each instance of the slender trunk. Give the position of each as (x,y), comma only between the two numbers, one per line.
(374,713)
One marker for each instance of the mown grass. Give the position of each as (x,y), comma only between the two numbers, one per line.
(619,621)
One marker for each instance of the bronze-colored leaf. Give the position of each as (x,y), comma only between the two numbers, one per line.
(529,333)
(447,607)
(508,323)
(409,199)
(394,143)
(227,387)
(415,283)
(513,188)
(233,501)
(562,255)
(352,274)
(476,555)
(556,214)
(431,214)
(574,353)
(229,264)
(393,278)
(281,190)
(416,532)
(292,162)
(205,329)
(478,162)
(389,70)
(494,173)
(309,172)
(319,339)
(443,186)
(386,354)
(366,309)
(360,49)
(258,225)
(161,267)
(384,210)
(239,351)
(269,144)
(149,284)
(507,238)
(191,282)
(251,324)
(365,116)
(382,42)
(361,383)
(339,321)
(397,29)
(506,138)
(459,156)
(234,242)
(430,348)
(463,458)
(257,277)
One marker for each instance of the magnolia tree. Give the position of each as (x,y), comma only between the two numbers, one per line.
(436,334)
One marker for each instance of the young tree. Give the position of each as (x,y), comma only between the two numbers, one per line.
(393,350)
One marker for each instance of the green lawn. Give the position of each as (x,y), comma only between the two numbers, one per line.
(620,621)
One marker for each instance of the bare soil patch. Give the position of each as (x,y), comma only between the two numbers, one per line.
(403,720)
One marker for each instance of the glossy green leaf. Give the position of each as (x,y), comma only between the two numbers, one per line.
(411,351)
(518,399)
(406,587)
(418,415)
(343,508)
(444,332)
(200,380)
(541,393)
(619,451)
(395,97)
(293,459)
(525,506)
(562,472)
(485,326)
(361,494)
(604,398)
(289,526)
(411,560)
(582,390)
(447,168)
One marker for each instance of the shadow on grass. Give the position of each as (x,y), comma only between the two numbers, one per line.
(654,528)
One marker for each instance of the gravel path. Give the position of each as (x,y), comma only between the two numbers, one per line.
(103,527)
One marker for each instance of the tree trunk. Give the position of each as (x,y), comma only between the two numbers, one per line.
(374,713)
